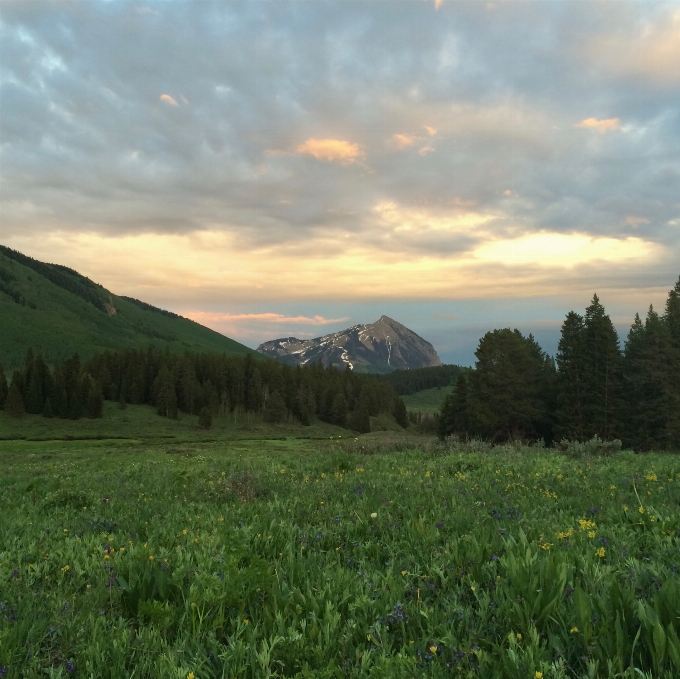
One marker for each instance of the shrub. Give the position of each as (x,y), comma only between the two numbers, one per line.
(594,447)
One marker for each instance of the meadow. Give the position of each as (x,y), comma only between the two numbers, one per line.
(199,555)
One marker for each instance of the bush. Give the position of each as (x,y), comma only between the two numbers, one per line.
(595,447)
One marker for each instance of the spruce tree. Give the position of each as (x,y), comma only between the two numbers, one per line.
(3,387)
(339,410)
(651,384)
(602,354)
(204,418)
(166,397)
(14,403)
(275,408)
(359,420)
(95,400)
(400,413)
(47,410)
(571,378)
(671,315)
(455,416)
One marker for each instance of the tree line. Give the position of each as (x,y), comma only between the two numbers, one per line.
(410,381)
(201,384)
(593,386)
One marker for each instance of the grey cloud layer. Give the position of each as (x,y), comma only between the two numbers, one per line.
(87,143)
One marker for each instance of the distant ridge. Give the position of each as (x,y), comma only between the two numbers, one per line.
(379,347)
(58,312)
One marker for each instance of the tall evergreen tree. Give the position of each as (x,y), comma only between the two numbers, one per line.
(3,387)
(671,315)
(650,378)
(455,417)
(400,413)
(508,386)
(14,403)
(166,397)
(602,373)
(571,378)
(275,408)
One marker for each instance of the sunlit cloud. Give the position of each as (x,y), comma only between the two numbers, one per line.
(633,220)
(600,125)
(168,100)
(461,221)
(401,141)
(650,51)
(565,250)
(430,130)
(330,150)
(424,150)
(438,4)
(207,317)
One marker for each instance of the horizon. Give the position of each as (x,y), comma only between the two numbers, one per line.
(288,169)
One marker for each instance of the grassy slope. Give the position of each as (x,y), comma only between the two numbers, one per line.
(428,400)
(63,323)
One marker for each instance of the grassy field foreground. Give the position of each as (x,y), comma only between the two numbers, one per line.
(298,559)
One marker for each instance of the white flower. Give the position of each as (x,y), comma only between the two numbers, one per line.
(374,515)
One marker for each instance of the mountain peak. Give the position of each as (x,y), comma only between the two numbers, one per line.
(382,346)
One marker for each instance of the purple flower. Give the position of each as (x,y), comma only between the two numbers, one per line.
(439,525)
(70,667)
(594,510)
(3,671)
(359,490)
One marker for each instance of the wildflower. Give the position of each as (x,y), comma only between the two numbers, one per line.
(185,531)
(65,568)
(433,649)
(519,636)
(150,557)
(546,546)
(600,552)
(374,515)
(245,621)
(106,557)
(591,533)
(538,675)
(641,510)
(404,572)
(574,630)
(625,508)
(190,675)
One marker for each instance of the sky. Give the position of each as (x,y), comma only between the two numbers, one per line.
(274,168)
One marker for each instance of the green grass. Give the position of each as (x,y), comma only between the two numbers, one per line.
(141,422)
(62,323)
(428,400)
(293,558)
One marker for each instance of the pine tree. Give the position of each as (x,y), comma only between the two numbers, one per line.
(14,403)
(3,387)
(571,378)
(204,418)
(47,410)
(275,408)
(339,410)
(455,418)
(602,374)
(95,400)
(508,385)
(671,315)
(359,420)
(400,413)
(166,397)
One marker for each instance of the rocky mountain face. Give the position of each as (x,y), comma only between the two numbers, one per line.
(379,347)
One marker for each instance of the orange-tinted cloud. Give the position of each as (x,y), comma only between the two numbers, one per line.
(425,150)
(330,150)
(401,141)
(600,125)
(438,3)
(210,317)
(168,99)
(430,130)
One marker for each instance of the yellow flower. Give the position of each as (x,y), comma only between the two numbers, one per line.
(106,557)
(625,508)
(433,649)
(245,621)
(574,630)
(641,510)
(190,675)
(600,552)
(65,568)
(185,531)
(538,675)
(283,471)
(519,637)
(591,533)
(150,557)
(403,572)
(546,546)
(374,515)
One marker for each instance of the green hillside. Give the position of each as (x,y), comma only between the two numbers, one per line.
(428,400)
(58,312)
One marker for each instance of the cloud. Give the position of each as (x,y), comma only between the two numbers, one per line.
(168,99)
(424,150)
(601,126)
(401,141)
(330,150)
(649,49)
(430,130)
(566,250)
(206,317)
(438,4)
